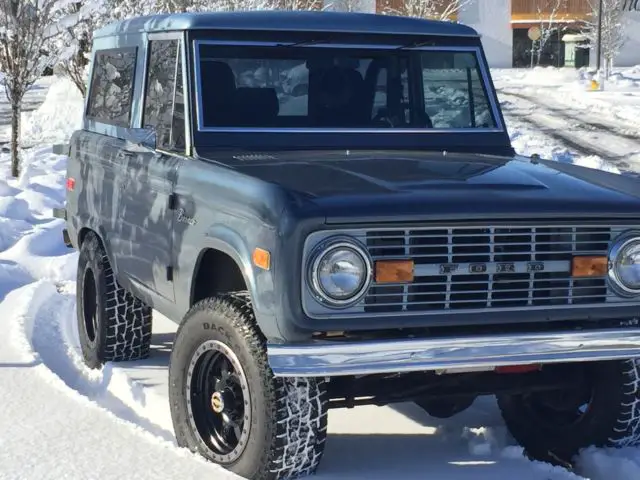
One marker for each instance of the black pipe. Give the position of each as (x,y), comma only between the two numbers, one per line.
(599,35)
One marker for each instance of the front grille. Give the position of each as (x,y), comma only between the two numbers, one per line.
(491,267)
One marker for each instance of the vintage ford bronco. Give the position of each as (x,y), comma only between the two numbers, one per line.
(330,206)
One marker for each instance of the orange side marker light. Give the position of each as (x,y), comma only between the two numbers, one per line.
(394,271)
(589,266)
(262,258)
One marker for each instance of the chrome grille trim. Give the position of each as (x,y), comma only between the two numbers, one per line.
(501,258)
(522,247)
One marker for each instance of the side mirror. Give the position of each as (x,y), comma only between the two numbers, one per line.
(144,138)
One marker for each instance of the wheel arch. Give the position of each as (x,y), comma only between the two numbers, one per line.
(228,247)
(223,244)
(217,271)
(101,235)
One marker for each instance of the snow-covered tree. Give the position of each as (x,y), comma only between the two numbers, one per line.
(614,33)
(26,50)
(78,20)
(173,6)
(180,6)
(298,4)
(433,9)
(234,5)
(548,14)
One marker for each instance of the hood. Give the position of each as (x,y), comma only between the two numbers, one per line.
(398,186)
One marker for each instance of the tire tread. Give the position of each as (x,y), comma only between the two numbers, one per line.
(129,320)
(299,404)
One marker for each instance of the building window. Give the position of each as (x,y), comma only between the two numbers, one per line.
(111,90)
(164,96)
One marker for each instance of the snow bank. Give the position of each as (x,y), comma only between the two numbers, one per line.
(538,76)
(567,78)
(57,117)
(606,464)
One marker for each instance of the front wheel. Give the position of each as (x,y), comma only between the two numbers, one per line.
(226,404)
(555,426)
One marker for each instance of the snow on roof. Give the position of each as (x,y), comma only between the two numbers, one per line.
(574,37)
(279,20)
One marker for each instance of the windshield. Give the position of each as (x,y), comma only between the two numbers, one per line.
(317,88)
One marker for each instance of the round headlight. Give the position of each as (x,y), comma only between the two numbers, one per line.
(341,273)
(625,271)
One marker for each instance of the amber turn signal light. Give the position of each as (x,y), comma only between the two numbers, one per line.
(262,258)
(589,266)
(394,271)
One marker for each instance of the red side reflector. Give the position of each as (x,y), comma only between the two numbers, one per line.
(517,369)
(71,184)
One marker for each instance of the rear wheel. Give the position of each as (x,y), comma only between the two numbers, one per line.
(555,426)
(113,325)
(226,404)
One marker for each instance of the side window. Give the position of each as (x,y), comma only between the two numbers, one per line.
(164,96)
(454,91)
(111,89)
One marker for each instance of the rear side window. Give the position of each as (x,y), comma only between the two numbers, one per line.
(164,96)
(111,90)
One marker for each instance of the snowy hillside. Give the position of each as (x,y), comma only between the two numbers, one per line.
(59,420)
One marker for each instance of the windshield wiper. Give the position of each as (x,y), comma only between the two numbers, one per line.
(304,42)
(429,43)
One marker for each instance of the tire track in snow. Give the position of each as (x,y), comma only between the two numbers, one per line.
(611,145)
(562,138)
(52,336)
(571,142)
(618,131)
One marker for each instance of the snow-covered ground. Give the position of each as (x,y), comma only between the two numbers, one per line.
(59,420)
(553,112)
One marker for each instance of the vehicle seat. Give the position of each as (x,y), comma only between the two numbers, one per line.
(218,85)
(256,107)
(340,99)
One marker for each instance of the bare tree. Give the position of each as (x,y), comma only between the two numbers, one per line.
(25,51)
(548,18)
(614,33)
(433,9)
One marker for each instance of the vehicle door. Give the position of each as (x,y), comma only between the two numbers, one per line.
(102,170)
(148,208)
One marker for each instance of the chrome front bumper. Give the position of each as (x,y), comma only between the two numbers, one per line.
(328,359)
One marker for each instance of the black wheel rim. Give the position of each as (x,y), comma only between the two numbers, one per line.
(89,305)
(218,401)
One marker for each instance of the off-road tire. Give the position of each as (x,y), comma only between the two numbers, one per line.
(288,415)
(122,330)
(611,420)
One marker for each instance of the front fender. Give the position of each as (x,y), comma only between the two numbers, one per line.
(259,282)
